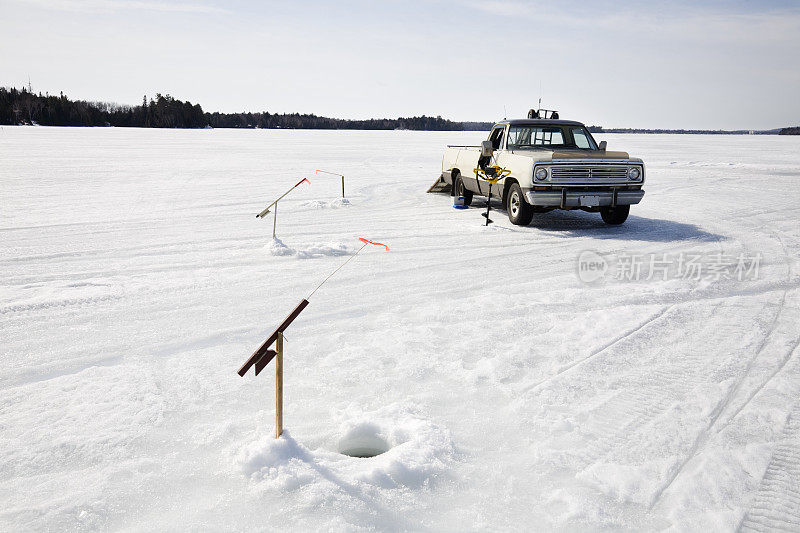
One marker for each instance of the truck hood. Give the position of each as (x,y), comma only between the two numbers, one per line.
(547,155)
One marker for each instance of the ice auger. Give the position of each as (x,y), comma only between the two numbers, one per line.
(491,175)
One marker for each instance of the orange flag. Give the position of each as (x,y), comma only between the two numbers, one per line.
(365,241)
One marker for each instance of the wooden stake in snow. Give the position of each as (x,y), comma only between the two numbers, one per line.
(279,386)
(335,174)
(264,354)
(263,213)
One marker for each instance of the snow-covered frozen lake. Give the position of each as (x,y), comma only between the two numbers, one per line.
(511,395)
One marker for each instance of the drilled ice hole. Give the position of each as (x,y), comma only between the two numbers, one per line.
(363,441)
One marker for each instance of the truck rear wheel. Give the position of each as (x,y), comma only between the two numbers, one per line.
(460,190)
(520,213)
(615,215)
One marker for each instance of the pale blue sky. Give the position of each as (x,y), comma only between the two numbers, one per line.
(714,64)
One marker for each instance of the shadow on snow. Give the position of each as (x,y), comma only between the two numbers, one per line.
(569,224)
(636,228)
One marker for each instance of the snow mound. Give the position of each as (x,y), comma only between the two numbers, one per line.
(324,204)
(282,463)
(309,251)
(320,249)
(277,247)
(412,453)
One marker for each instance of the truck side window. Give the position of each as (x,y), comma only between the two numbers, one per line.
(581,139)
(513,134)
(496,137)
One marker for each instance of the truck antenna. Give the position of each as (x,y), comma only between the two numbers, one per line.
(505,114)
(540,94)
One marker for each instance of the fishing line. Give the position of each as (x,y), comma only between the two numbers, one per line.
(362,239)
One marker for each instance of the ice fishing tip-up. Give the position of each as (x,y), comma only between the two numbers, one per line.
(263,213)
(264,354)
(334,174)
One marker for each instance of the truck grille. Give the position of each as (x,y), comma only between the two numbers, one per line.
(589,172)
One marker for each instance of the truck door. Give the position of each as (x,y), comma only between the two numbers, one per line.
(498,142)
(503,158)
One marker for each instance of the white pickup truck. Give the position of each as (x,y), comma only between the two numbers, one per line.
(550,164)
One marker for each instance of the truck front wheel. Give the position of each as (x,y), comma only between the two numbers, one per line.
(520,213)
(615,215)
(460,190)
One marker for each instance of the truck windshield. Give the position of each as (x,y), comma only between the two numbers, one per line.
(549,138)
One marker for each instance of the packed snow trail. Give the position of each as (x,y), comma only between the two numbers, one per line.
(134,280)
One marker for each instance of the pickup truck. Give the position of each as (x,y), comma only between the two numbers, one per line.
(550,164)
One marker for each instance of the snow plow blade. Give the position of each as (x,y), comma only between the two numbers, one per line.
(441,186)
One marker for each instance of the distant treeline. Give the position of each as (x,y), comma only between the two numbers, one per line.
(23,106)
(313,122)
(600,129)
(26,107)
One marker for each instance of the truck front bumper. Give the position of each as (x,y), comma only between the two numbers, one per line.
(564,197)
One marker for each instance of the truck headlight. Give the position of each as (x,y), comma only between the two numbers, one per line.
(634,173)
(540,174)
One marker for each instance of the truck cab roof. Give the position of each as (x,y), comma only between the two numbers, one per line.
(539,122)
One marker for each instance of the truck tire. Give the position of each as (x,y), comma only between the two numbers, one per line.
(520,212)
(615,215)
(460,190)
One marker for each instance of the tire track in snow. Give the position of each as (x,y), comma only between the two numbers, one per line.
(784,360)
(705,435)
(634,407)
(62,303)
(162,249)
(611,423)
(620,338)
(35,375)
(645,396)
(758,389)
(777,503)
